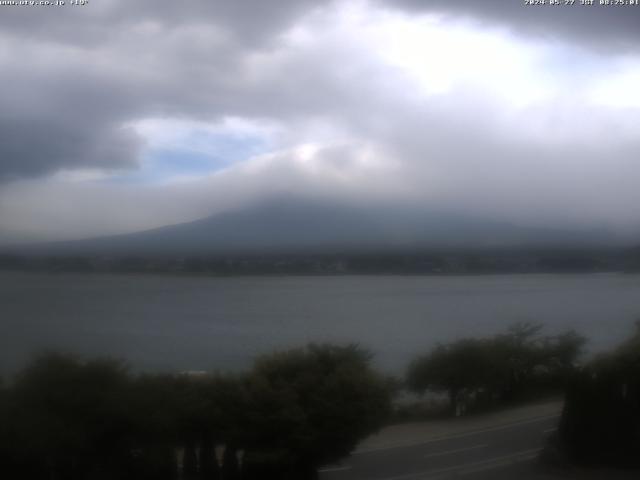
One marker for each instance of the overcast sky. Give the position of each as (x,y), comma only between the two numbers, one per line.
(120,116)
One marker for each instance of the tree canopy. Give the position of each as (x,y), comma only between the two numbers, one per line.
(68,418)
(498,368)
(316,402)
(600,423)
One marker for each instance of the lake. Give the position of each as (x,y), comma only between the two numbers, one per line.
(202,323)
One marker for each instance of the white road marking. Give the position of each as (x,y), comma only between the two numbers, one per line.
(334,469)
(468,468)
(457,435)
(523,456)
(458,450)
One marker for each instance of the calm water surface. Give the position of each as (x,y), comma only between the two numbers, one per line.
(183,323)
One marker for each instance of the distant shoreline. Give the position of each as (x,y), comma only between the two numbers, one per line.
(428,263)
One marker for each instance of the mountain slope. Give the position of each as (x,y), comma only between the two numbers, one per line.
(290,225)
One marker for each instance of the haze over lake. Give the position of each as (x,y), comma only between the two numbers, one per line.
(195,323)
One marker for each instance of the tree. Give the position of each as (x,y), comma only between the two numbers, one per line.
(505,367)
(310,406)
(5,438)
(452,368)
(561,354)
(188,412)
(69,417)
(600,422)
(515,356)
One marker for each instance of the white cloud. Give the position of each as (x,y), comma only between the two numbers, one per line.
(619,88)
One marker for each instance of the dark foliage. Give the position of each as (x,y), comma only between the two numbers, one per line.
(601,420)
(508,367)
(64,418)
(314,404)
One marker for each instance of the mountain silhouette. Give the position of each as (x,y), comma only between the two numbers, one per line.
(289,224)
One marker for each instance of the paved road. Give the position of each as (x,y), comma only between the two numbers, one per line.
(498,451)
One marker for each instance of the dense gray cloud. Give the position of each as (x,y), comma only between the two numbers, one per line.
(60,112)
(248,21)
(79,74)
(364,105)
(41,132)
(592,26)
